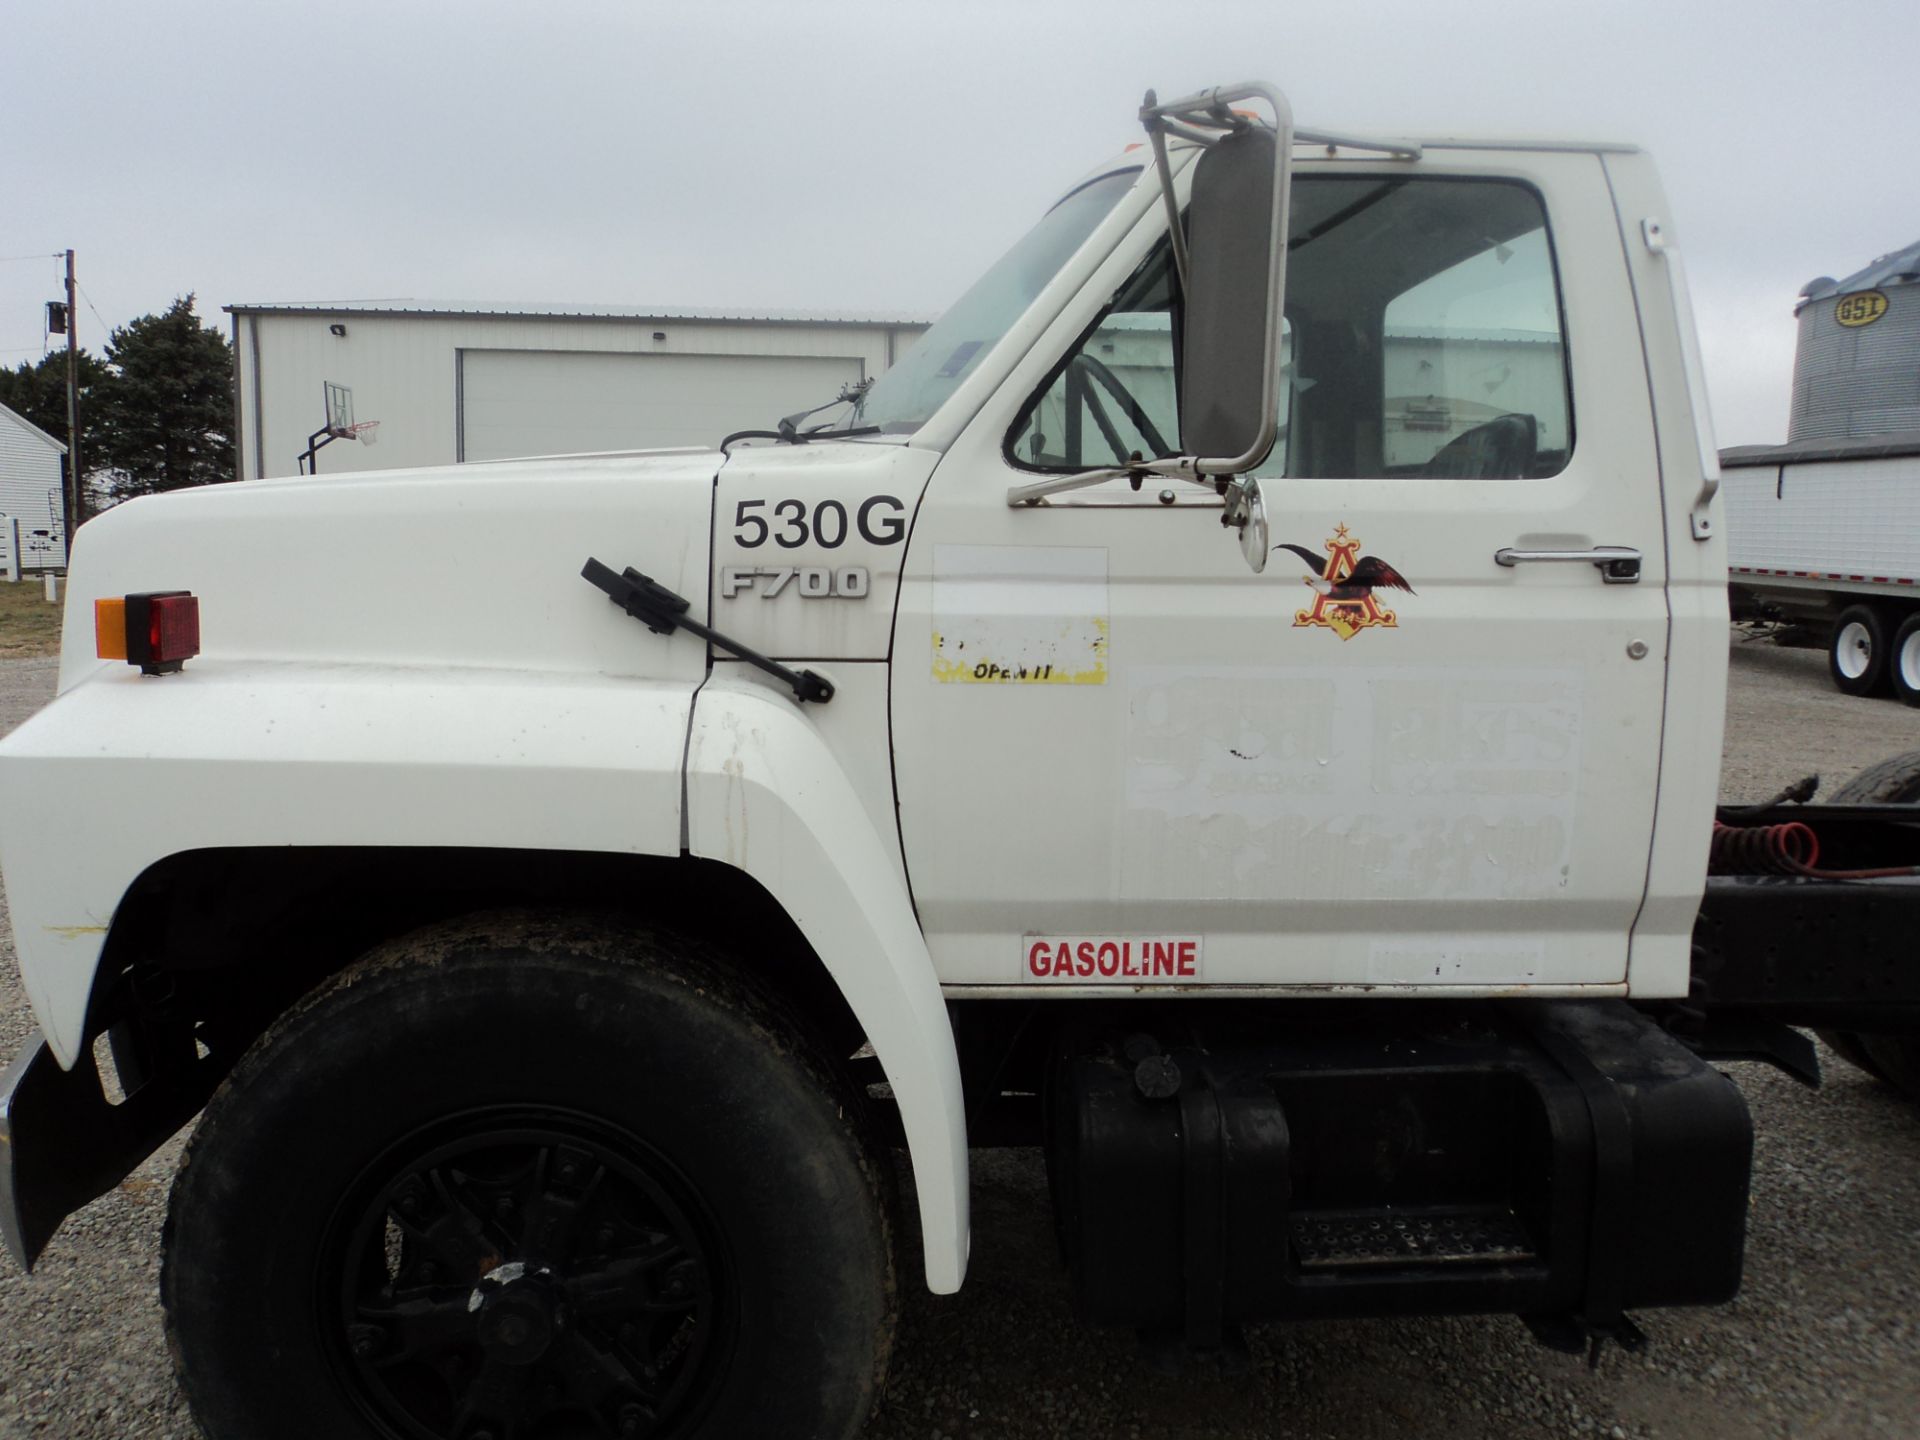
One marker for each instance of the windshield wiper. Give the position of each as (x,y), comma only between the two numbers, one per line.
(798,437)
(790,433)
(853,392)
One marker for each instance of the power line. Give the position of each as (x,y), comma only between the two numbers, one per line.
(96,309)
(56,255)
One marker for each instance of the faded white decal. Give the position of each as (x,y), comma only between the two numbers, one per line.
(1478,960)
(1353,783)
(1022,615)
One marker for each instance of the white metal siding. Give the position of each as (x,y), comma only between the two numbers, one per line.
(517,403)
(30,492)
(1855,521)
(404,372)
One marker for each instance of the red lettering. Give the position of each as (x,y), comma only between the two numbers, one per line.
(1109,958)
(1086,957)
(1186,957)
(1162,958)
(1063,960)
(1038,963)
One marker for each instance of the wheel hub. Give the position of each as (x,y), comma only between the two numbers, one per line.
(525,1273)
(519,1313)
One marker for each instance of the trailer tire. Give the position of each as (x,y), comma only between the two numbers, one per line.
(1857,651)
(525,1175)
(1903,663)
(1894,1059)
(1851,1046)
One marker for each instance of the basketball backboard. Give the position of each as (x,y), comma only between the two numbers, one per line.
(339,409)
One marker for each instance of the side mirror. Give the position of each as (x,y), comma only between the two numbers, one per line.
(1247,512)
(1231,254)
(1229,411)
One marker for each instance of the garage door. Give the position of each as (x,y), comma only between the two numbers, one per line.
(561,402)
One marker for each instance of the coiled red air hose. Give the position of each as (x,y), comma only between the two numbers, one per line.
(1790,848)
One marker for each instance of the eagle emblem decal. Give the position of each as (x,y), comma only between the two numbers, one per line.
(1344,584)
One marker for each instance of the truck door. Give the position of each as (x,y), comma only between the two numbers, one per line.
(1420,749)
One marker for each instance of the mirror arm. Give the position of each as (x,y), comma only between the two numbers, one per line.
(1173,467)
(1157,133)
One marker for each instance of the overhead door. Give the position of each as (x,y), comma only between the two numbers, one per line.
(560,402)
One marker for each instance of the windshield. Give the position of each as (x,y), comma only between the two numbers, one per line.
(904,399)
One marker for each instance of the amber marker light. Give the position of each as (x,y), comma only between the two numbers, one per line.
(158,630)
(110,629)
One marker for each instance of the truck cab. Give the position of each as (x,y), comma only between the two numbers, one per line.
(1238,706)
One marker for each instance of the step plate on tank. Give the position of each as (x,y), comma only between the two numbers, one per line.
(1429,1235)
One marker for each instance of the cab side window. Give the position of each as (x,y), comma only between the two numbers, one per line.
(1423,338)
(1430,335)
(1114,396)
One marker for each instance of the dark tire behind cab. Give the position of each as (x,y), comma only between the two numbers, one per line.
(533,1177)
(1892,1058)
(1903,662)
(1857,651)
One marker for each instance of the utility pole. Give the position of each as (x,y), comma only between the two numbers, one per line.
(76,511)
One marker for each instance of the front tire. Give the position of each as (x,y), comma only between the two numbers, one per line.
(534,1177)
(1857,651)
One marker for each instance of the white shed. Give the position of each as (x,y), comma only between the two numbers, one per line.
(450,383)
(30,491)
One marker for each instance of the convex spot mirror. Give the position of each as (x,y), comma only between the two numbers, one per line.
(1246,511)
(1227,389)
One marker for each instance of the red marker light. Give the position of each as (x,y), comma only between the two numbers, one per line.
(158,630)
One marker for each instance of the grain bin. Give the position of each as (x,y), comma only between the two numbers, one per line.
(1856,370)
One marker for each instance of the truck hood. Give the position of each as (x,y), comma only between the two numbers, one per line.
(461,566)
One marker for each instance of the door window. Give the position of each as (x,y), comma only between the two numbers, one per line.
(1423,337)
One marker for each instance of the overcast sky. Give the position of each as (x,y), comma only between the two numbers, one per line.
(872,157)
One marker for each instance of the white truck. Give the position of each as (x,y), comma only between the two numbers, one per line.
(1263,753)
(1825,535)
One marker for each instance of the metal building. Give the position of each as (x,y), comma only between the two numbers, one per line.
(450,383)
(1856,370)
(30,490)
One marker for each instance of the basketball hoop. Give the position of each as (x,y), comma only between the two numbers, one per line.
(340,426)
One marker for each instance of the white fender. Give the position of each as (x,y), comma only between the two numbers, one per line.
(766,796)
(122,771)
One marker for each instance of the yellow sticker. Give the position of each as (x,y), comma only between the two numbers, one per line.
(1074,653)
(1863,307)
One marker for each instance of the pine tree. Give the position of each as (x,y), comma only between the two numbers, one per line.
(166,420)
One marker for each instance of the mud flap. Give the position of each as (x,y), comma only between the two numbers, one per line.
(63,1144)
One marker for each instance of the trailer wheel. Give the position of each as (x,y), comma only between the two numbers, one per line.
(1851,1046)
(1896,1060)
(1905,661)
(531,1177)
(1857,651)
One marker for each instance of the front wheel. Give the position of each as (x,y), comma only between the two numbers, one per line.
(536,1178)
(1857,651)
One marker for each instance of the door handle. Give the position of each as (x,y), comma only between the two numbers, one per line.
(1618,564)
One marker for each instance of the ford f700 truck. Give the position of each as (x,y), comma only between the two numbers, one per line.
(1237,706)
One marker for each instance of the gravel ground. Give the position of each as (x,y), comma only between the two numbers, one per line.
(1823,1341)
